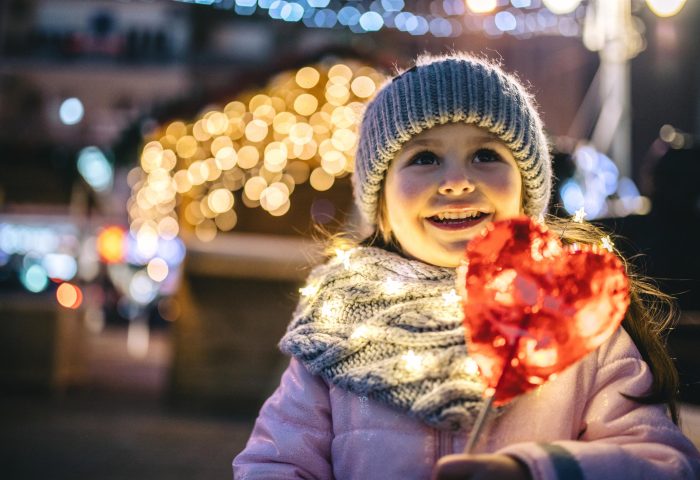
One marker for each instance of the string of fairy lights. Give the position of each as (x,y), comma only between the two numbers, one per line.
(439,18)
(255,150)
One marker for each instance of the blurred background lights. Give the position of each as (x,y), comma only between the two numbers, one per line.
(142,289)
(157,269)
(571,196)
(111,244)
(371,21)
(21,239)
(440,18)
(300,127)
(481,6)
(172,250)
(60,266)
(505,21)
(220,200)
(665,8)
(71,111)
(95,168)
(521,3)
(69,295)
(598,188)
(34,278)
(291,12)
(393,5)
(561,7)
(348,15)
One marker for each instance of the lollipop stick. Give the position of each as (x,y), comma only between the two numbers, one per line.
(486,408)
(479,425)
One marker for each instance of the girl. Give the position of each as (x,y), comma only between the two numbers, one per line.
(380,384)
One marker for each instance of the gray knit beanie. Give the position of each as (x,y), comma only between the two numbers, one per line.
(450,89)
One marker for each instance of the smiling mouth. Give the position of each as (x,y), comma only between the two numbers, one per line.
(457,220)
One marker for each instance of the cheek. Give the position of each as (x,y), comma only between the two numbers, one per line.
(404,189)
(506,189)
(403,199)
(402,194)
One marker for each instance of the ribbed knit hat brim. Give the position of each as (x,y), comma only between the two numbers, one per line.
(452,89)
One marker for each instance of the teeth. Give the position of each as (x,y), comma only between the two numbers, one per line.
(457,215)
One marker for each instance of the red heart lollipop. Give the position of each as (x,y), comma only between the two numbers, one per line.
(534,306)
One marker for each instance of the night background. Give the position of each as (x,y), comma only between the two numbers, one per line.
(166,168)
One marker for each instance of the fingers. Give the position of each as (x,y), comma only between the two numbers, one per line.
(480,467)
(453,467)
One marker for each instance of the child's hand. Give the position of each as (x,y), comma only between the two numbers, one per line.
(480,467)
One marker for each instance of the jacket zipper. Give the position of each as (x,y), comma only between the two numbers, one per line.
(444,444)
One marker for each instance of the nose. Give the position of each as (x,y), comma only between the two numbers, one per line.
(456,181)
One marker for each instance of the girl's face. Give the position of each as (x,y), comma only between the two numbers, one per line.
(444,186)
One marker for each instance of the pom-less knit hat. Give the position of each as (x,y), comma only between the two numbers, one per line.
(451,89)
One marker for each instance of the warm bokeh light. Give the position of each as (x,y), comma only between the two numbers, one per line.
(157,269)
(254,187)
(168,228)
(220,200)
(300,127)
(256,130)
(111,244)
(363,87)
(226,221)
(186,146)
(206,231)
(561,7)
(305,104)
(665,8)
(481,6)
(321,180)
(69,295)
(307,77)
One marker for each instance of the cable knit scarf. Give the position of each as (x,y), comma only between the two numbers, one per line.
(389,328)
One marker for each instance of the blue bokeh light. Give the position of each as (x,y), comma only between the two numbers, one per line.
(325,18)
(275,10)
(95,168)
(393,5)
(34,278)
(371,21)
(292,12)
(71,111)
(60,266)
(440,27)
(348,16)
(571,196)
(421,26)
(402,19)
(505,21)
(521,3)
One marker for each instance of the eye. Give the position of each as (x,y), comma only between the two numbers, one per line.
(486,155)
(424,158)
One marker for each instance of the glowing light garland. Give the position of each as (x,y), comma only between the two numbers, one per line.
(439,18)
(301,127)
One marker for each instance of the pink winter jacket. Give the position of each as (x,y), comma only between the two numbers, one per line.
(576,427)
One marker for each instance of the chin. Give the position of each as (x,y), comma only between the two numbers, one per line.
(450,259)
